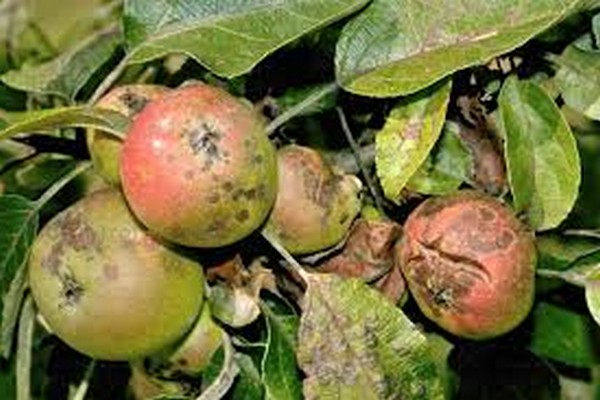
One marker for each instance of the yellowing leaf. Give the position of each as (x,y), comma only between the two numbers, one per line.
(408,136)
(354,344)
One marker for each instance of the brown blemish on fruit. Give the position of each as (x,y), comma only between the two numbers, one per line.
(443,277)
(504,240)
(242,216)
(171,158)
(228,186)
(53,260)
(110,271)
(257,159)
(76,233)
(486,214)
(134,102)
(189,175)
(71,291)
(213,198)
(204,140)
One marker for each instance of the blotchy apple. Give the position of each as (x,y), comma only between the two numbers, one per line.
(106,287)
(105,148)
(197,167)
(315,204)
(469,263)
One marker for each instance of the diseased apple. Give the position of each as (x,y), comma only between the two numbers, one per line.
(469,263)
(198,169)
(105,148)
(106,287)
(315,204)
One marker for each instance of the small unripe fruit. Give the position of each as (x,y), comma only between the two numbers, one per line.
(106,287)
(105,148)
(198,168)
(315,205)
(469,263)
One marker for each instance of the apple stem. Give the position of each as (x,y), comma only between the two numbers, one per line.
(299,108)
(356,151)
(295,265)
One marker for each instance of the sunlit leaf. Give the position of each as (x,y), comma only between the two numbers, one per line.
(541,154)
(578,80)
(408,136)
(68,73)
(56,118)
(354,344)
(229,37)
(397,47)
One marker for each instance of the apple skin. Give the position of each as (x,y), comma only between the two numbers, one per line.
(106,287)
(105,148)
(315,204)
(469,264)
(198,168)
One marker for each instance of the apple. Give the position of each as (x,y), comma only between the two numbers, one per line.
(197,167)
(106,287)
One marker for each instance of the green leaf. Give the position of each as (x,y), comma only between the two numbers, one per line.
(446,167)
(249,385)
(56,118)
(18,227)
(559,252)
(408,136)
(229,37)
(563,335)
(541,154)
(67,74)
(354,344)
(578,80)
(280,372)
(592,292)
(396,47)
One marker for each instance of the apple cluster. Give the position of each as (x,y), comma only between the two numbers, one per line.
(114,276)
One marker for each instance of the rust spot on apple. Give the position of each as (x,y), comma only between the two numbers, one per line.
(111,272)
(242,216)
(134,102)
(71,291)
(77,234)
(443,277)
(204,140)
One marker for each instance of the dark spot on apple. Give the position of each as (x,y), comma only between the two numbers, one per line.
(213,198)
(189,175)
(204,140)
(443,278)
(134,102)
(257,159)
(504,240)
(111,272)
(228,186)
(343,218)
(486,214)
(76,233)
(242,215)
(171,158)
(71,291)
(53,260)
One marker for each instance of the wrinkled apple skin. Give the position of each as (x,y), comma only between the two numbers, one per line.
(106,287)
(105,148)
(198,168)
(469,263)
(315,205)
